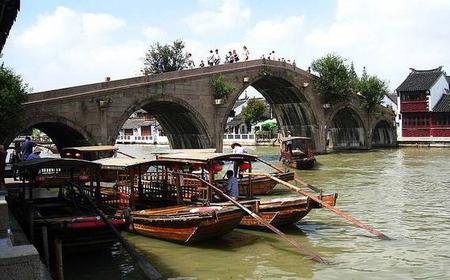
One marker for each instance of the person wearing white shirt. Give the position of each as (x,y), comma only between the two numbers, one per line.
(216,57)
(238,149)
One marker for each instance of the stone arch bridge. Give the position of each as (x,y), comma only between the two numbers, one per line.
(182,101)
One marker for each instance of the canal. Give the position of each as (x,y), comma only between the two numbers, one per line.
(402,192)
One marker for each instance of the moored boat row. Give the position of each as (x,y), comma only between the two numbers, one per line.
(177,197)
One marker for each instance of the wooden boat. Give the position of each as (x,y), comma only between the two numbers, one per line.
(258,186)
(278,212)
(296,152)
(148,185)
(63,210)
(186,224)
(55,214)
(89,152)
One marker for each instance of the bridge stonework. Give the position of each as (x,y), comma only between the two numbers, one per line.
(183,103)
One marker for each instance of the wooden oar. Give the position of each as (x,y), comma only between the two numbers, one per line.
(326,205)
(297,245)
(149,271)
(127,155)
(295,178)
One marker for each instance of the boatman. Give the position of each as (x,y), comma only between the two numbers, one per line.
(36,154)
(27,147)
(237,148)
(232,188)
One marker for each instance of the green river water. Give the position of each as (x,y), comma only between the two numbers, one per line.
(401,192)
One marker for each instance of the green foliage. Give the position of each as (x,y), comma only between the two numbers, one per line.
(221,89)
(372,90)
(269,126)
(334,81)
(13,92)
(253,111)
(164,58)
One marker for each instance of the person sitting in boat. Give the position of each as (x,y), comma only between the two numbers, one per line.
(237,148)
(232,188)
(36,154)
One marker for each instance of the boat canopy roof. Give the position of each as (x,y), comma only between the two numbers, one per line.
(177,151)
(205,157)
(295,138)
(57,163)
(121,163)
(103,148)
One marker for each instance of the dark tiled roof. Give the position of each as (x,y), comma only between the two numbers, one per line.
(443,105)
(8,13)
(392,97)
(135,123)
(239,102)
(419,80)
(448,79)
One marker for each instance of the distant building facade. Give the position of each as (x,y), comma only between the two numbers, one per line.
(141,128)
(424,105)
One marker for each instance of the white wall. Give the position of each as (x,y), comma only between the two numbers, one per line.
(436,92)
(387,102)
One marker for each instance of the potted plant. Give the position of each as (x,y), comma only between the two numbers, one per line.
(221,89)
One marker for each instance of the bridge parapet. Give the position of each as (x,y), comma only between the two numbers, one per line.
(156,78)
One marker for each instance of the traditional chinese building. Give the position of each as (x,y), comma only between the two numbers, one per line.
(425,106)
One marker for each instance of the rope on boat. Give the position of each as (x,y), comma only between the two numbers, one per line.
(326,205)
(297,245)
(149,271)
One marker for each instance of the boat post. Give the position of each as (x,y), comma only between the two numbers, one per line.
(59,259)
(45,245)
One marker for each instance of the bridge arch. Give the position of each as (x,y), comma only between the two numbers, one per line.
(183,125)
(346,129)
(62,131)
(289,101)
(383,134)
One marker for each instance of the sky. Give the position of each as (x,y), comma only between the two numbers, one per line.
(56,44)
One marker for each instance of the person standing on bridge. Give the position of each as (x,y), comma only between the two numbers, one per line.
(211,58)
(216,57)
(246,53)
(229,58)
(190,61)
(235,56)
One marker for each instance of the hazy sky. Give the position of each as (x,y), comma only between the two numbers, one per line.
(62,43)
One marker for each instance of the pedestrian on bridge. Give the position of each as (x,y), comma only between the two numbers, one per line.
(246,53)
(216,57)
(211,58)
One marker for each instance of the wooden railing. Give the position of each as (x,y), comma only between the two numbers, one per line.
(413,106)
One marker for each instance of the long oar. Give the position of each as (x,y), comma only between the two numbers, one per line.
(326,205)
(127,155)
(149,271)
(297,245)
(295,178)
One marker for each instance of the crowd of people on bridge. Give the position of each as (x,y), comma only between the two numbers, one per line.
(232,56)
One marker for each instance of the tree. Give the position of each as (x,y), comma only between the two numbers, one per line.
(164,58)
(334,82)
(13,93)
(372,89)
(253,111)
